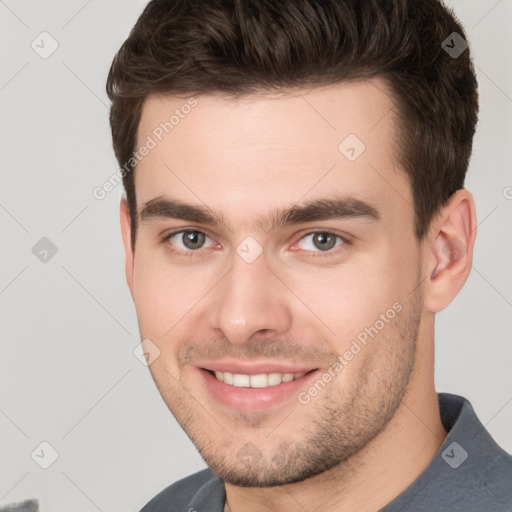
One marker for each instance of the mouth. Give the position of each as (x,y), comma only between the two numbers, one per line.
(260,380)
(253,388)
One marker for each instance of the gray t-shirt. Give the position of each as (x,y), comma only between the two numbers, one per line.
(469,473)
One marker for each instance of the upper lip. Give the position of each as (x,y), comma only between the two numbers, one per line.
(247,368)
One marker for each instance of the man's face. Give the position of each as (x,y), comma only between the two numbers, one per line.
(332,296)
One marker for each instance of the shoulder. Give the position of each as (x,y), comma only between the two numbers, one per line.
(180,494)
(471,477)
(469,473)
(494,474)
(477,471)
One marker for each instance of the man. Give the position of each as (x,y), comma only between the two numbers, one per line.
(295,216)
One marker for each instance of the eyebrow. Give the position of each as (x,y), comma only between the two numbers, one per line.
(328,208)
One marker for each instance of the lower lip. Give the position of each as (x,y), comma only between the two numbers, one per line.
(254,399)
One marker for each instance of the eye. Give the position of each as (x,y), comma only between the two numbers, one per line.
(187,240)
(321,241)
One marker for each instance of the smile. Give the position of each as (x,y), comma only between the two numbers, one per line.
(262,380)
(254,388)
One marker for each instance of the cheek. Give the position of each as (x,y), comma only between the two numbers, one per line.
(167,297)
(350,298)
(157,296)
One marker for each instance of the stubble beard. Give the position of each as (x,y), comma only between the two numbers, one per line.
(334,430)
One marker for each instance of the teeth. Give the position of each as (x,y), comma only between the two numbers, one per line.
(259,381)
(262,380)
(274,379)
(241,381)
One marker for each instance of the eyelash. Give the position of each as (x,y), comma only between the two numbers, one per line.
(315,254)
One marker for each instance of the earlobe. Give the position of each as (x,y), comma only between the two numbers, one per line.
(450,251)
(126,231)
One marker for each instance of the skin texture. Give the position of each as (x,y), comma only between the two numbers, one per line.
(372,429)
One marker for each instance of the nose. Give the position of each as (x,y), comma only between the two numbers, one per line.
(250,300)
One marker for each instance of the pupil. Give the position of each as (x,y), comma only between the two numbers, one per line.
(193,239)
(323,238)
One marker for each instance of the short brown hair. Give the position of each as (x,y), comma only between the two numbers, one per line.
(240,47)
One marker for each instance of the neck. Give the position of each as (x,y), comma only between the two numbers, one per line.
(378,473)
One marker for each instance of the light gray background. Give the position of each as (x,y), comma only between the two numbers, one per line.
(68,330)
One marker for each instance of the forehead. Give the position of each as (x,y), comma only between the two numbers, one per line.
(250,154)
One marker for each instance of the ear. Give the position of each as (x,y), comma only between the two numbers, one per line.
(450,251)
(126,231)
